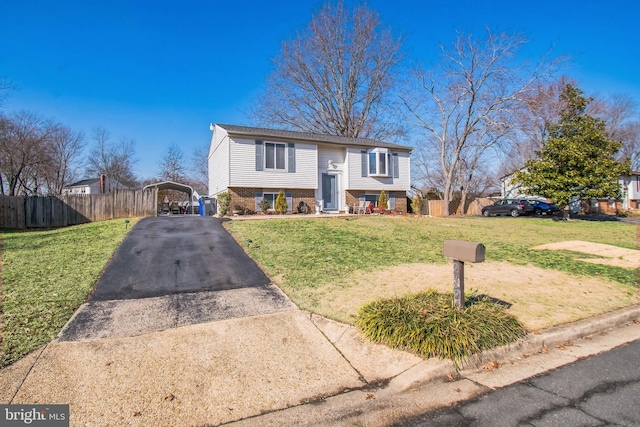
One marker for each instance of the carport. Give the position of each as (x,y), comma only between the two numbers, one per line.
(170,185)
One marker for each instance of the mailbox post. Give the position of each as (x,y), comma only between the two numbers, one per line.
(461,252)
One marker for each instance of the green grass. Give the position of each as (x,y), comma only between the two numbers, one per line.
(309,253)
(46,276)
(428,324)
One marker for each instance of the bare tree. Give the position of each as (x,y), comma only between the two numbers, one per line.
(24,137)
(200,169)
(539,109)
(335,77)
(172,164)
(466,105)
(65,149)
(115,160)
(6,86)
(622,119)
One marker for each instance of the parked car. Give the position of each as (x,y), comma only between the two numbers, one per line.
(513,207)
(543,207)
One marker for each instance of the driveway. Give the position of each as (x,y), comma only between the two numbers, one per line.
(174,271)
(173,254)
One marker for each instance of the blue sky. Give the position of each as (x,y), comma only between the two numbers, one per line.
(159,72)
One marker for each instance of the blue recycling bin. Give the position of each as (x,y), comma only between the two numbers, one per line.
(205,206)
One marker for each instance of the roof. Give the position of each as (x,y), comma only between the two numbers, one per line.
(171,185)
(308,136)
(84,182)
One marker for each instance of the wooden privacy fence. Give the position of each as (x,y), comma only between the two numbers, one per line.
(436,207)
(60,211)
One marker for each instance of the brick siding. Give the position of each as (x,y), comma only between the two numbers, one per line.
(353,198)
(246,197)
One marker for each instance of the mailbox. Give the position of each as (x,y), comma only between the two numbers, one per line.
(464,251)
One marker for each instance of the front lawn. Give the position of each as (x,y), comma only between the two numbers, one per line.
(46,276)
(334,265)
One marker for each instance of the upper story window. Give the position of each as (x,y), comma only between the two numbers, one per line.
(379,160)
(274,155)
(380,163)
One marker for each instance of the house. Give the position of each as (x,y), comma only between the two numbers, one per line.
(630,190)
(99,185)
(255,163)
(630,199)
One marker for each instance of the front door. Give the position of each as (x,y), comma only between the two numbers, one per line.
(329,192)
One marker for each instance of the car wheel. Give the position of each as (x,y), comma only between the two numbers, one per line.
(486,213)
(537,211)
(515,213)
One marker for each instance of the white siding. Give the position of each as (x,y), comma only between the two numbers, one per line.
(357,182)
(218,161)
(243,167)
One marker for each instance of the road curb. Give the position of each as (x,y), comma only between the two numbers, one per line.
(534,342)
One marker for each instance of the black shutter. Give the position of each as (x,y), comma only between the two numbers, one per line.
(259,156)
(259,197)
(289,197)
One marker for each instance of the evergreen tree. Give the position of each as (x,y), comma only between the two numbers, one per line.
(382,200)
(577,159)
(281,203)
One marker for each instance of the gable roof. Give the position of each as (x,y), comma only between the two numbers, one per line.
(84,182)
(308,136)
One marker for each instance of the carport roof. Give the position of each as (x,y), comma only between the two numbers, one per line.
(170,185)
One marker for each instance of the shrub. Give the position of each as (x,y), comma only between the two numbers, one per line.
(281,203)
(264,205)
(428,324)
(224,200)
(416,204)
(382,200)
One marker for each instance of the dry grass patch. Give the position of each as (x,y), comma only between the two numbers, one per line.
(539,298)
(609,254)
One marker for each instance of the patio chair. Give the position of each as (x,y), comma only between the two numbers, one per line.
(363,207)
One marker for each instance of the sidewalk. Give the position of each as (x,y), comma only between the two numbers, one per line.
(286,368)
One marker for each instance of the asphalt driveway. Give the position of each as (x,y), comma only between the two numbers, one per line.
(175,254)
(174,271)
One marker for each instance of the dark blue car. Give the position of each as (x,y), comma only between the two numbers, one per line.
(541,207)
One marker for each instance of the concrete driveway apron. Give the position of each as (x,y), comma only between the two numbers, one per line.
(174,271)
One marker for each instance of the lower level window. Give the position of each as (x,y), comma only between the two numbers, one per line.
(271,197)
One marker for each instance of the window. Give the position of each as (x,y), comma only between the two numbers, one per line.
(271,197)
(274,155)
(379,162)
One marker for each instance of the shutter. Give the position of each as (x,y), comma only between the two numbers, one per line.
(259,156)
(289,197)
(292,157)
(392,201)
(259,197)
(396,167)
(363,156)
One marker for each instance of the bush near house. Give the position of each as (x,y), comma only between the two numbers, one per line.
(281,203)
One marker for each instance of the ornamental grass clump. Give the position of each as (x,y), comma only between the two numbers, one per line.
(428,324)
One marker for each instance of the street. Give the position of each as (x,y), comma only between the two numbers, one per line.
(600,390)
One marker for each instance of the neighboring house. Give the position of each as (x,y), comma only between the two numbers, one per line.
(252,163)
(93,186)
(630,189)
